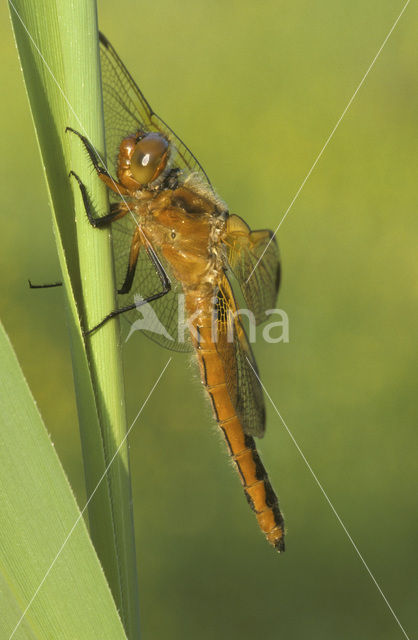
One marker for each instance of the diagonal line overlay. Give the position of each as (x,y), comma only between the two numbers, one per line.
(74,114)
(329,502)
(88,501)
(330,136)
(165,367)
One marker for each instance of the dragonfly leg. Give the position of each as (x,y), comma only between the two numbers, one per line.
(44,286)
(129,307)
(117,211)
(102,172)
(165,281)
(133,260)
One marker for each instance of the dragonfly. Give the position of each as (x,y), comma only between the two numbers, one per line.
(174,239)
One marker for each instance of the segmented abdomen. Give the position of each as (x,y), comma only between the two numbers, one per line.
(242,448)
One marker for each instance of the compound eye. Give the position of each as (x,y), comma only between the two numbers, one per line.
(149,158)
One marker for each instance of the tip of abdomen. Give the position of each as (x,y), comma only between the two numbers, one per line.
(276,538)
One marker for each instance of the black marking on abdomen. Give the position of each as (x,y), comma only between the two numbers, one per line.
(226,439)
(249,442)
(271,498)
(278,518)
(204,373)
(215,411)
(260,471)
(198,336)
(250,501)
(239,470)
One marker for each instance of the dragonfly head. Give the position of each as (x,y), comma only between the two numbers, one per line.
(142,159)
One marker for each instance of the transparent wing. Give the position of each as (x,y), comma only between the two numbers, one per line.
(162,320)
(127,111)
(239,363)
(259,282)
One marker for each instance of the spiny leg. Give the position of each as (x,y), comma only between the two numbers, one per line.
(165,281)
(44,286)
(102,172)
(133,260)
(118,210)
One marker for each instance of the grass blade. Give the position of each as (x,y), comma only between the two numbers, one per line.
(58,50)
(38,510)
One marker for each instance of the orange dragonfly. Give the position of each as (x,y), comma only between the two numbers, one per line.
(173,236)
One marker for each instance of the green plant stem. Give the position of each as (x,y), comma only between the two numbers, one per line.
(58,49)
(38,565)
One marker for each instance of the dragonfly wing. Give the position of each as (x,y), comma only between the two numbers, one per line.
(160,320)
(126,111)
(253,257)
(239,363)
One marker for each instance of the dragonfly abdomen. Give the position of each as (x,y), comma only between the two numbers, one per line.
(242,449)
(257,488)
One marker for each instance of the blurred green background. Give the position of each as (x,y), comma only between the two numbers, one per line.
(255,89)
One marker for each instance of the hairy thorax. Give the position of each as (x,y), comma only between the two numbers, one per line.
(187,228)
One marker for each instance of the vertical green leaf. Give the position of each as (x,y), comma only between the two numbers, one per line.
(50,578)
(58,49)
